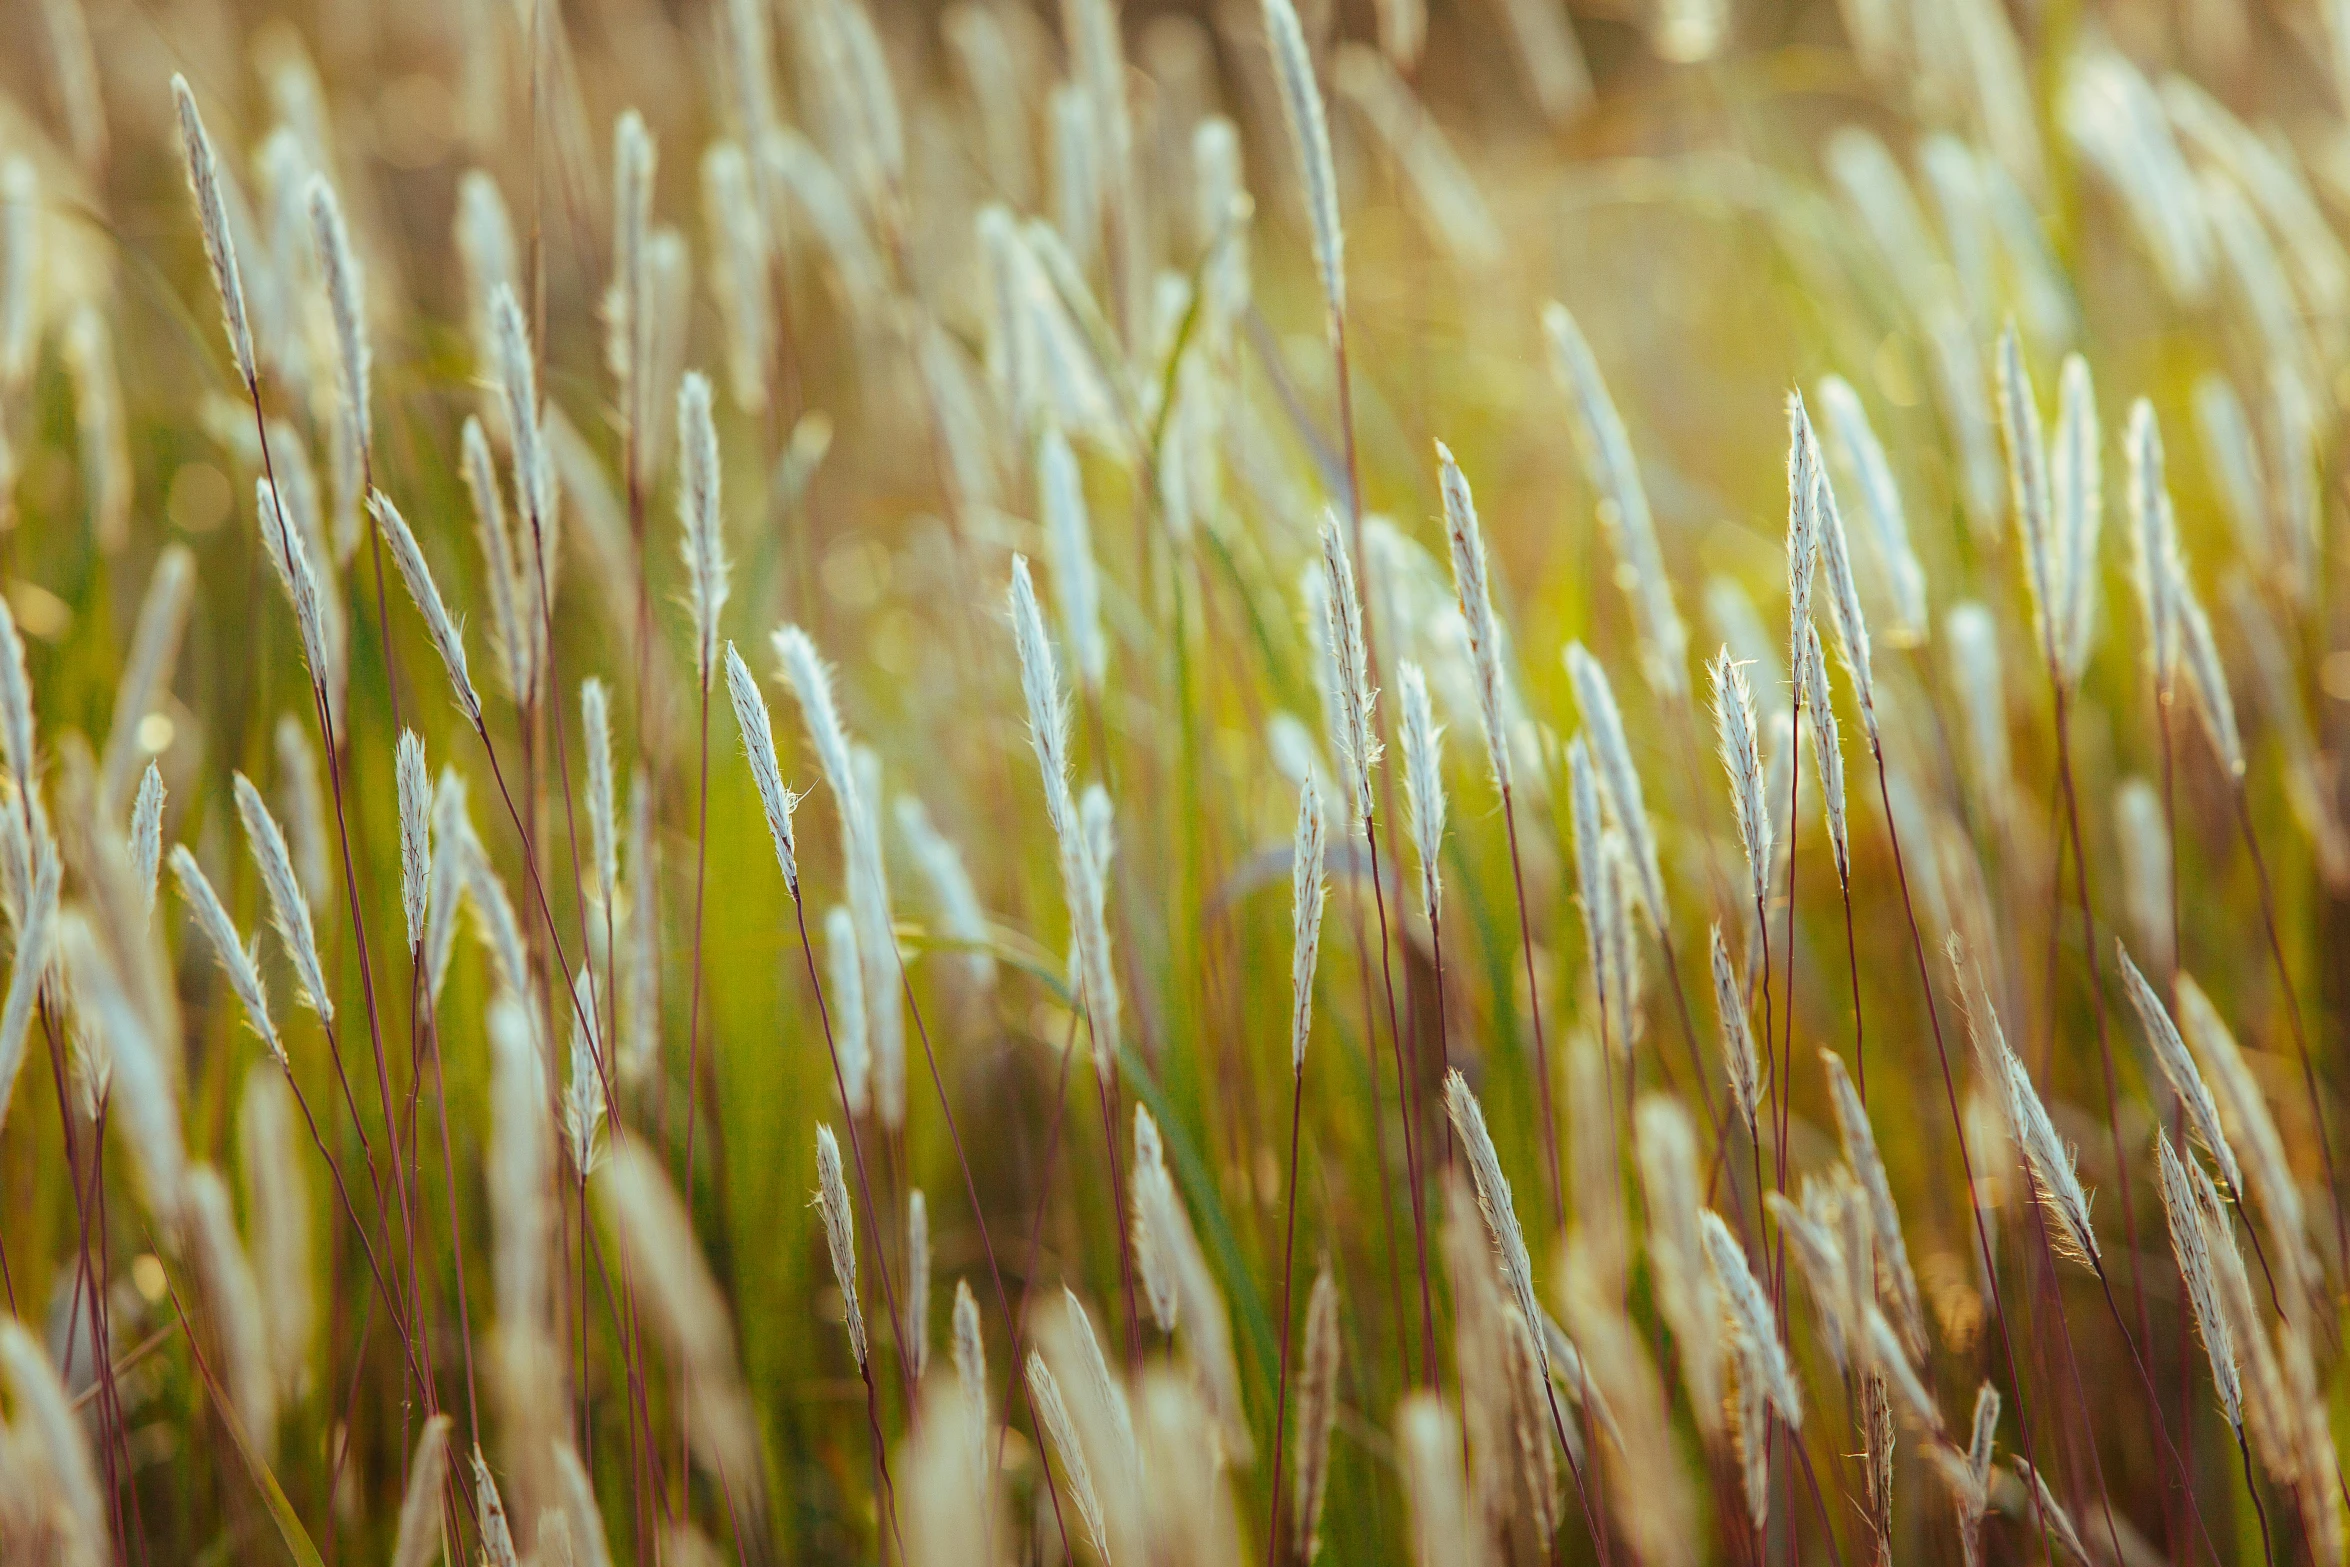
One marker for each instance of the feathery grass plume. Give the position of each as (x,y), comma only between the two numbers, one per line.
(489,1511)
(962,918)
(1976,678)
(1474,587)
(237,964)
(2028,492)
(1429,1442)
(1844,611)
(739,270)
(917,1282)
(1895,1282)
(303,803)
(1812,1231)
(1618,777)
(1755,1329)
(704,538)
(583,1096)
(758,737)
(1355,732)
(1614,471)
(1423,776)
(1828,750)
(534,473)
(1090,926)
(1803,527)
(970,1354)
(1591,889)
(2153,544)
(446,639)
(2252,1131)
(844,978)
(1309,139)
(36,935)
(2047,1157)
(2144,841)
(595,719)
(1068,534)
(682,1305)
(49,1433)
(146,833)
(521,1158)
(449,882)
(16,701)
(1619,896)
(1317,1410)
(289,908)
(234,1299)
(418,1540)
(2191,1246)
(1052,1414)
(1905,578)
(1745,1069)
(1103,1395)
(2178,1069)
(289,558)
(2051,1512)
(832,1203)
(628,309)
(2207,677)
(147,669)
(339,269)
(500,931)
(414,786)
(2076,475)
(277,1205)
(1742,760)
(1158,1223)
(220,246)
(1493,1199)
(514,636)
(1307,895)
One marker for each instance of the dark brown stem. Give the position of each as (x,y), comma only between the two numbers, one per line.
(1550,1144)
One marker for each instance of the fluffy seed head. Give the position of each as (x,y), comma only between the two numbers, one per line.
(236,963)
(1828,748)
(2207,677)
(417,1541)
(832,1202)
(844,978)
(1493,1199)
(917,1281)
(1905,579)
(1307,893)
(290,559)
(2190,1245)
(595,717)
(414,785)
(2178,1069)
(220,246)
(1803,526)
(2028,489)
(1475,589)
(1894,1280)
(758,734)
(1355,734)
(1738,1052)
(1060,1431)
(2153,543)
(1423,777)
(1618,777)
(1317,1408)
(339,267)
(446,639)
(1755,1329)
(2077,478)
(146,834)
(698,512)
(1844,611)
(289,909)
(1742,760)
(1309,136)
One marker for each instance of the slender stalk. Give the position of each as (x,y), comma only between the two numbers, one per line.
(1297,1100)
(1966,1161)
(1411,1141)
(2268,1552)
(1550,1144)
(2154,1401)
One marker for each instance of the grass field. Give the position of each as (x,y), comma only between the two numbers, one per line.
(854,781)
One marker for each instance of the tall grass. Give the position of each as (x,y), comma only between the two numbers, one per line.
(1045,398)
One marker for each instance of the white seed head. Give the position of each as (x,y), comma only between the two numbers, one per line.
(917,1325)
(289,558)
(1307,893)
(236,962)
(446,638)
(1493,1200)
(289,909)
(2207,677)
(2153,543)
(1738,1053)
(1844,612)
(1905,578)
(2077,478)
(1423,776)
(146,834)
(2028,490)
(1895,1282)
(2178,1069)
(1828,748)
(1317,1410)
(220,246)
(840,1238)
(339,268)
(1755,1330)
(704,542)
(1618,777)
(1742,760)
(1472,582)
(758,735)
(1356,731)
(1309,136)
(595,720)
(2190,1245)
(1060,1433)
(852,1036)
(1803,528)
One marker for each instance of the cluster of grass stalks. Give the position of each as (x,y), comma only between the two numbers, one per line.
(769,697)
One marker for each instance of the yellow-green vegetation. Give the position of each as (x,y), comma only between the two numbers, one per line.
(839,780)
